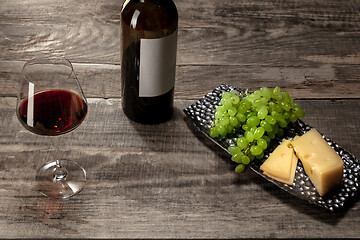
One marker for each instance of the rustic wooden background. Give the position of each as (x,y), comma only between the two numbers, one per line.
(167,180)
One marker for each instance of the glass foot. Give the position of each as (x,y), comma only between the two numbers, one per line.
(60,179)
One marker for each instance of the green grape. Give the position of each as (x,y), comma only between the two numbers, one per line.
(241,117)
(221,130)
(237,157)
(221,109)
(260,102)
(250,98)
(257,103)
(234,92)
(249,136)
(251,114)
(233,121)
(218,115)
(278,108)
(262,112)
(287,114)
(253,121)
(229,129)
(224,121)
(286,106)
(252,129)
(245,160)
(256,150)
(242,143)
(283,124)
(244,105)
(293,118)
(245,127)
(240,168)
(235,99)
(276,93)
(266,126)
(266,92)
(258,133)
(213,132)
(264,101)
(286,97)
(232,111)
(234,149)
(241,109)
(226,95)
(225,114)
(277,116)
(226,102)
(298,112)
(262,143)
(270,119)
(272,106)
(256,94)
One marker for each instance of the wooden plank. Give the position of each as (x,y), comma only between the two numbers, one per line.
(238,32)
(159,181)
(194,81)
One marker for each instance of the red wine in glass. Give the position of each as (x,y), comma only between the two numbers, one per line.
(51,102)
(52,112)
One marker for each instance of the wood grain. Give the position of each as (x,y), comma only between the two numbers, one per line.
(193,82)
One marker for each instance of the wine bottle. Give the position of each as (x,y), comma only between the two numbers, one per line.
(149,43)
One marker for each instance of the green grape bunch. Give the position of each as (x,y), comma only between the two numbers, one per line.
(258,117)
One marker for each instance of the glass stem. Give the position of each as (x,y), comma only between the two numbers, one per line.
(59,172)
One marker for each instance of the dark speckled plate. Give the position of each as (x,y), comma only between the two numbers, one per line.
(202,113)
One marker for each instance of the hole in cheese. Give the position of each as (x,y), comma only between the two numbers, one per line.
(309,156)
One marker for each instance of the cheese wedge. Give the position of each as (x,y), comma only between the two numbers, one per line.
(281,164)
(321,163)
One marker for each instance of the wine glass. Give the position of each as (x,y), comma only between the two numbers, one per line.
(51,102)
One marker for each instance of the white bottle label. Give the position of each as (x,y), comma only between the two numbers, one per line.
(157,65)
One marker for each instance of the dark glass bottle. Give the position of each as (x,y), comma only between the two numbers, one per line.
(149,40)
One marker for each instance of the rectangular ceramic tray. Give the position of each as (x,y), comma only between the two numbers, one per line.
(202,113)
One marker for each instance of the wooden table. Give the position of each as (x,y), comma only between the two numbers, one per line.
(168,180)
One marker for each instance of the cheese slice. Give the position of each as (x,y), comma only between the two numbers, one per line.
(321,163)
(281,164)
